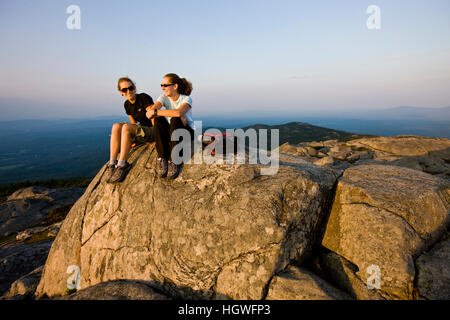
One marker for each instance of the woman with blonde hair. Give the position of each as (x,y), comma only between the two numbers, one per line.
(177,114)
(125,135)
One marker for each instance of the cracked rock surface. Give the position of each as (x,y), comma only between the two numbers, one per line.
(386,216)
(228,232)
(430,155)
(433,279)
(217,231)
(301,284)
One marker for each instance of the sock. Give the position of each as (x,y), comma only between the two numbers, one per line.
(121,163)
(113,162)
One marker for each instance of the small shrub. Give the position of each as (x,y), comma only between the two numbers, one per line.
(37,237)
(56,215)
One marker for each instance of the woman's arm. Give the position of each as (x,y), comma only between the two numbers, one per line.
(175,112)
(168,113)
(150,111)
(132,120)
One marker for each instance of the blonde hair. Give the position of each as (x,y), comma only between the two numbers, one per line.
(123,79)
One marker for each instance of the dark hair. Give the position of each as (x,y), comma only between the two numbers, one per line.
(125,79)
(184,86)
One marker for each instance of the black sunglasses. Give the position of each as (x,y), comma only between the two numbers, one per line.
(166,85)
(130,88)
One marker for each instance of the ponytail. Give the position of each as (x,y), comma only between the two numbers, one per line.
(187,87)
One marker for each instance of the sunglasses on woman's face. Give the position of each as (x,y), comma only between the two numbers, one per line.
(124,90)
(166,85)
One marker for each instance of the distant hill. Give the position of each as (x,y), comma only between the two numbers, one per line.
(79,149)
(48,149)
(426,122)
(296,132)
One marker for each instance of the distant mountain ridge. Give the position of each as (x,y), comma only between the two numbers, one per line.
(296,132)
(61,152)
(44,150)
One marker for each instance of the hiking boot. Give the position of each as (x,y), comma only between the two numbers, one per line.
(109,172)
(173,170)
(120,173)
(162,167)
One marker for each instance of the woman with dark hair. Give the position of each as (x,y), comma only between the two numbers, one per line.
(177,114)
(125,135)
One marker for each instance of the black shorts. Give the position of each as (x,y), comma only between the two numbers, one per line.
(143,134)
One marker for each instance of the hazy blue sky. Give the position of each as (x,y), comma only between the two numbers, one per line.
(241,55)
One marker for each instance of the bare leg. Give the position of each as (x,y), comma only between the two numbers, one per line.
(116,132)
(128,133)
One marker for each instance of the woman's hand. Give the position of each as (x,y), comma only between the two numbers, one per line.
(151,110)
(183,119)
(150,114)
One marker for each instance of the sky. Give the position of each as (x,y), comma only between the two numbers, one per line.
(242,56)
